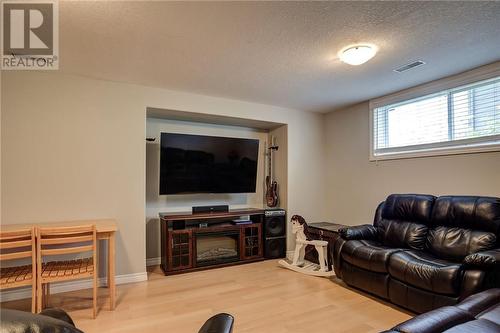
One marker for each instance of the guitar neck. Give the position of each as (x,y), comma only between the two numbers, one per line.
(269,164)
(270,150)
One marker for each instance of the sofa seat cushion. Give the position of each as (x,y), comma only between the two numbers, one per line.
(369,255)
(424,271)
(492,314)
(480,325)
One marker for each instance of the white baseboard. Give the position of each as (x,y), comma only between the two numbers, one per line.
(61,287)
(153,261)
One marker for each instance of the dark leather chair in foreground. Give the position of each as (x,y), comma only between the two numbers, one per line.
(58,321)
(47,321)
(479,313)
(220,323)
(424,252)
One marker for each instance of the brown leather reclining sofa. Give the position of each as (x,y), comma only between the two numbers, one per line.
(479,313)
(423,252)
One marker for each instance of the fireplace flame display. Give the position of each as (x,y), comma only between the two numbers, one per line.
(217,253)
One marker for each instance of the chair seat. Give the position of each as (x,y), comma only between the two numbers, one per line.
(58,270)
(369,255)
(16,275)
(427,272)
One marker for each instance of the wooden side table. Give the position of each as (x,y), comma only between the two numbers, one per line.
(327,231)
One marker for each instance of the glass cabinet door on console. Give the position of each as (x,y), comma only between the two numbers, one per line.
(251,241)
(180,245)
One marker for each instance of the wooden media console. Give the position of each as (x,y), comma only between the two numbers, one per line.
(194,241)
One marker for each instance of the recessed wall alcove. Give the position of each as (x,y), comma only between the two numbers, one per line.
(185,122)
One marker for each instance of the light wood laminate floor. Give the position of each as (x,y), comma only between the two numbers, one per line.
(261,296)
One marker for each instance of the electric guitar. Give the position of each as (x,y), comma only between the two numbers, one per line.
(272,197)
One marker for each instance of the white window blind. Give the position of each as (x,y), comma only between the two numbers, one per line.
(465,117)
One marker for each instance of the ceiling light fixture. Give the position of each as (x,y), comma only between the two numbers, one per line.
(357,54)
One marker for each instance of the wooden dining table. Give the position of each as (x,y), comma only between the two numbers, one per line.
(105,230)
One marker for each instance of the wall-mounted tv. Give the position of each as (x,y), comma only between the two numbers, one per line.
(207,164)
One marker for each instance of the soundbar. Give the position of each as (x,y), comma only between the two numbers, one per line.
(210,209)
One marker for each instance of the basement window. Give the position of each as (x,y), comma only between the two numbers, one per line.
(463,119)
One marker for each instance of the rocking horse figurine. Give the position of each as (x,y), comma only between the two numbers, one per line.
(299,228)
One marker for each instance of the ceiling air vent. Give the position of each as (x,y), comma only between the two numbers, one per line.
(409,66)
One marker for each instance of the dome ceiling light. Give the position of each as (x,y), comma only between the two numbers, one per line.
(357,54)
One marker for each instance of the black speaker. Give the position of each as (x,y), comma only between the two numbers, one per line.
(275,248)
(274,233)
(275,226)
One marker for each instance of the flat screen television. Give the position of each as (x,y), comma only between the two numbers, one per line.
(207,164)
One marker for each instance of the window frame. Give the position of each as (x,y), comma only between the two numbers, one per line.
(461,146)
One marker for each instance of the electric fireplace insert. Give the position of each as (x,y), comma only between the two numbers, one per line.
(217,247)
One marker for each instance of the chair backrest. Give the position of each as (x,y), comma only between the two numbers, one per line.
(53,241)
(15,245)
(18,244)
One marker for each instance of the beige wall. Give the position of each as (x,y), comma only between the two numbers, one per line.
(74,148)
(280,174)
(356,185)
(0,147)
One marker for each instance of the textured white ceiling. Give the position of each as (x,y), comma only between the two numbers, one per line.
(280,53)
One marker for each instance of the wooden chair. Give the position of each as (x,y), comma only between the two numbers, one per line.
(16,245)
(61,241)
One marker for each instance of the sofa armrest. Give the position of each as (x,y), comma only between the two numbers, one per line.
(220,323)
(48,322)
(438,320)
(57,313)
(486,259)
(365,231)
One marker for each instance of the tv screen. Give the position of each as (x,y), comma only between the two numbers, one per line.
(207,164)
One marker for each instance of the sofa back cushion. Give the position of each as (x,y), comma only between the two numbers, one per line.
(457,243)
(402,220)
(397,233)
(469,212)
(408,207)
